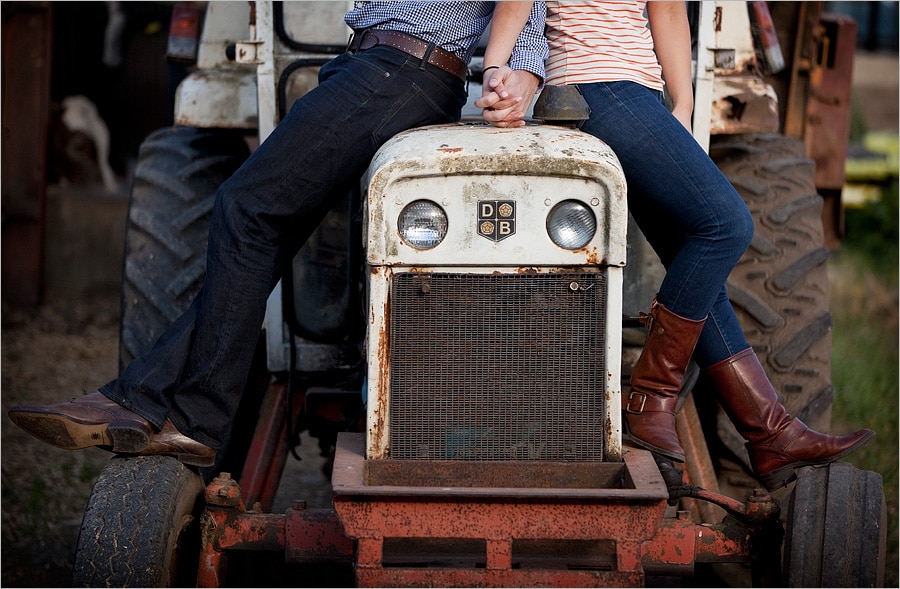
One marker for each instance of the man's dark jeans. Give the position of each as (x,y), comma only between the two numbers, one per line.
(196,372)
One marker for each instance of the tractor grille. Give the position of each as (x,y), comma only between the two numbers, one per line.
(498,367)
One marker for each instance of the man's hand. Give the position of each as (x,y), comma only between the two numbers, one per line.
(506,95)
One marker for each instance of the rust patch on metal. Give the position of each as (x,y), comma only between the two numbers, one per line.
(379,427)
(593,258)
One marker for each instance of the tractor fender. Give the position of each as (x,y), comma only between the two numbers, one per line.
(218,99)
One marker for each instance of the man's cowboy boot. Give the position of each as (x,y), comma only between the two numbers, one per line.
(777,443)
(650,406)
(95,420)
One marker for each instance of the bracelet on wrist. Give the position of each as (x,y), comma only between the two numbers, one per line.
(490,67)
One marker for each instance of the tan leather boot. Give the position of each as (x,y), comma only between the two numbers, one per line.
(777,443)
(656,379)
(94,420)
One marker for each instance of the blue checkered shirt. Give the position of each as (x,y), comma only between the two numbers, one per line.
(454,26)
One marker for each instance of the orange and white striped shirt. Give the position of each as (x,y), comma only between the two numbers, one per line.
(600,42)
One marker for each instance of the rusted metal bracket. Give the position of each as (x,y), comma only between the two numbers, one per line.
(303,535)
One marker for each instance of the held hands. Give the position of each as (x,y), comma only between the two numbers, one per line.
(506,95)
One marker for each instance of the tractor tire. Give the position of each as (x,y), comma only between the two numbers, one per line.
(835,534)
(141,527)
(177,174)
(779,288)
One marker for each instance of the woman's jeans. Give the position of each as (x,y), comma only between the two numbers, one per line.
(690,214)
(196,372)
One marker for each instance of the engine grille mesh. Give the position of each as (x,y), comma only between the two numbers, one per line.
(497,367)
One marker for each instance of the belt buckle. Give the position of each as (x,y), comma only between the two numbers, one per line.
(369,39)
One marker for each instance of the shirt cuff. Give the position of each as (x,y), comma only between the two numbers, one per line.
(533,63)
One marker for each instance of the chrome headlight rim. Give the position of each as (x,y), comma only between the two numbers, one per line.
(422,224)
(571,224)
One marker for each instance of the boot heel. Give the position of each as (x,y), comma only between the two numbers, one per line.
(779,478)
(128,437)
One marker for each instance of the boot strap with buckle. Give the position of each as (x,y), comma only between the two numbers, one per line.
(637,403)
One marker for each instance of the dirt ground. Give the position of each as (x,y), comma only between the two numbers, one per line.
(68,347)
(51,354)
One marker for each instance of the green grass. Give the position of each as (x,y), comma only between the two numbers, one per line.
(864,304)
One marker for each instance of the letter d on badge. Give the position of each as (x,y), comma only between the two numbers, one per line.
(496,219)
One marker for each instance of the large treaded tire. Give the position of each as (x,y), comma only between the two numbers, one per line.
(835,535)
(141,527)
(779,288)
(178,172)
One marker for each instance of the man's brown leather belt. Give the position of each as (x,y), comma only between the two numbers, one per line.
(411,46)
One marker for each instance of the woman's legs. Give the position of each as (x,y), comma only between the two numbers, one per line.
(699,227)
(690,214)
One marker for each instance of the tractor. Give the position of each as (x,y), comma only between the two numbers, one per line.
(457,334)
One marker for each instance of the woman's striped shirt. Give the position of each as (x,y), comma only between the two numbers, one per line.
(600,42)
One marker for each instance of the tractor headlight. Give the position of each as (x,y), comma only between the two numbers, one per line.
(571,224)
(422,224)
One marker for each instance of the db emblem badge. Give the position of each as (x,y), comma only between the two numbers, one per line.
(496,219)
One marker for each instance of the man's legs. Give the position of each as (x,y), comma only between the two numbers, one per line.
(263,214)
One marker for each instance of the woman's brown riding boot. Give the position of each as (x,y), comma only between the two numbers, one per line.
(777,443)
(656,379)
